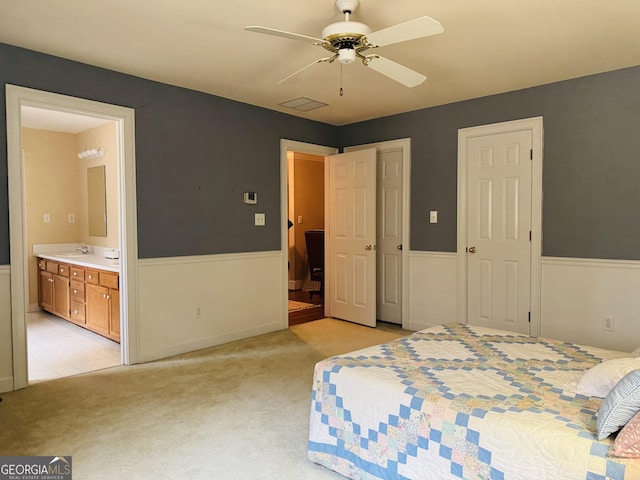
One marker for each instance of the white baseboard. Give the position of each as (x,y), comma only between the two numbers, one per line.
(6,384)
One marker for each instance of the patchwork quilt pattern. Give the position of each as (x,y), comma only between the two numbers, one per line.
(458,401)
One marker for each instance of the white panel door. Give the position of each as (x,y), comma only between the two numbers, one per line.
(352,236)
(389,257)
(498,230)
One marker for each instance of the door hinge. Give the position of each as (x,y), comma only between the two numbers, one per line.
(529,317)
(531,154)
(529,235)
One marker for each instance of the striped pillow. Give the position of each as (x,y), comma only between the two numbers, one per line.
(620,405)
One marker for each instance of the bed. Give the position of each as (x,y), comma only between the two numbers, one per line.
(459,401)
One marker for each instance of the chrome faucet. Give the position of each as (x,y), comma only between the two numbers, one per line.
(83,248)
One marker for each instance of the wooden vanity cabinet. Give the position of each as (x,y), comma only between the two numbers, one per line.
(45,287)
(76,276)
(86,296)
(103,303)
(54,287)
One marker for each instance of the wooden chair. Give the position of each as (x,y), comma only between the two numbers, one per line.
(315,257)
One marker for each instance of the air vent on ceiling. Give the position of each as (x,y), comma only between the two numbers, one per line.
(303,104)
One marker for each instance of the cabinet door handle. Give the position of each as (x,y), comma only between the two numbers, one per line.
(75,273)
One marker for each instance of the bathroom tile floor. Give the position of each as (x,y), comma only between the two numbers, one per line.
(58,348)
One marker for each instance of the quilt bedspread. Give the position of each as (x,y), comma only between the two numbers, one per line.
(458,401)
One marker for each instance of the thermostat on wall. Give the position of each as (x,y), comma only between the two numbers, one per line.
(250,198)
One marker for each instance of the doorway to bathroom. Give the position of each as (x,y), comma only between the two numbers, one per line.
(37,223)
(70,179)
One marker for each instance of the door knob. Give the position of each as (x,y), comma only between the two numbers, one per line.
(369,247)
(472,249)
(399,247)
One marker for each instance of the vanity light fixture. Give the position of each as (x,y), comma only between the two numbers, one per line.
(92,153)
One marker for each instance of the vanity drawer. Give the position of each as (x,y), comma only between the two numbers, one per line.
(52,266)
(77,291)
(63,270)
(76,273)
(92,276)
(109,280)
(77,312)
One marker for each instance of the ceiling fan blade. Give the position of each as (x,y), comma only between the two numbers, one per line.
(416,28)
(320,60)
(282,33)
(395,71)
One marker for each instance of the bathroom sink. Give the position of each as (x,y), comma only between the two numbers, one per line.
(69,254)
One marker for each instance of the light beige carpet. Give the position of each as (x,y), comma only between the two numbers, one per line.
(235,411)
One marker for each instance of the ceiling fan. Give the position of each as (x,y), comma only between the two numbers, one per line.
(349,40)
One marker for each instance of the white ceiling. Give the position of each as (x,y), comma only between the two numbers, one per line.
(58,121)
(488,47)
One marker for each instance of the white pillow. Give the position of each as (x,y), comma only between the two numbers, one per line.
(600,379)
(636,352)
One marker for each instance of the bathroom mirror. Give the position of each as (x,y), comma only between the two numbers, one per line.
(97,197)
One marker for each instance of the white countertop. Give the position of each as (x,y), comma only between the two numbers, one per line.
(64,254)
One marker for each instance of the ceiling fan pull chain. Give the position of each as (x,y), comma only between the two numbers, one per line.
(341,91)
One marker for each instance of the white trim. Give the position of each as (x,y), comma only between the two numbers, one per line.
(6,356)
(124,117)
(301,147)
(534,124)
(433,254)
(199,259)
(405,145)
(591,262)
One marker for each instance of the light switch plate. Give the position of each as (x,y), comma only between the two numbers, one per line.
(260,220)
(433,216)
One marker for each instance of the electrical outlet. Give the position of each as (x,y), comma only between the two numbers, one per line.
(607,324)
(72,218)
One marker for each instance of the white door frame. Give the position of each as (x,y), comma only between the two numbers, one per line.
(16,97)
(536,126)
(405,145)
(312,149)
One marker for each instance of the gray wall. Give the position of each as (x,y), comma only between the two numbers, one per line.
(591,167)
(195,156)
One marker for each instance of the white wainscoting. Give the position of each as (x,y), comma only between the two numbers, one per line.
(239,296)
(433,291)
(6,342)
(578,293)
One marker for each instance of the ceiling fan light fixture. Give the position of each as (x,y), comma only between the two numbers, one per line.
(346,55)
